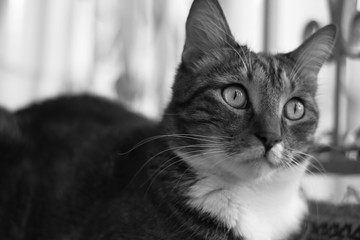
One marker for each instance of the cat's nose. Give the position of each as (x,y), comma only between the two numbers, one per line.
(268,139)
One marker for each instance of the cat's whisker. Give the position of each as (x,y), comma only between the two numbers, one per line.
(212,154)
(172,149)
(195,155)
(297,154)
(160,170)
(213,139)
(181,179)
(290,159)
(320,168)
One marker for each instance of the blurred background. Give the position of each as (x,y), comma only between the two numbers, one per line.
(129,50)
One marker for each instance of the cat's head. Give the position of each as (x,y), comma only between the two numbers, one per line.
(240,114)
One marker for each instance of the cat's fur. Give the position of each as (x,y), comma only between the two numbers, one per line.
(85,168)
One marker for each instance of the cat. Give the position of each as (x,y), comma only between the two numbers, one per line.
(225,162)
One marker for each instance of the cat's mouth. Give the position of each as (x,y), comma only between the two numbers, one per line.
(265,159)
(253,155)
(272,158)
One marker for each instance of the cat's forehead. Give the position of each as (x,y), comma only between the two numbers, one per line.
(267,73)
(271,73)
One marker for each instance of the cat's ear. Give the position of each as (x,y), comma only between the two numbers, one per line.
(206,29)
(312,54)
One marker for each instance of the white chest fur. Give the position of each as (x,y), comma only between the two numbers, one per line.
(266,209)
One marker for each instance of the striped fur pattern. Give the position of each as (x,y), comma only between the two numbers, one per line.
(237,178)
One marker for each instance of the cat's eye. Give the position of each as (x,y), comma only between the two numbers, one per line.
(235,96)
(294,109)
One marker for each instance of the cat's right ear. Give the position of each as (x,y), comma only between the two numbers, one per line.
(206,29)
(312,54)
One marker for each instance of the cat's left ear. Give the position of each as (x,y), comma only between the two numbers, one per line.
(312,54)
(206,29)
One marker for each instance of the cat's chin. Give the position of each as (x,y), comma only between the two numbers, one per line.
(233,169)
(271,162)
(255,169)
(264,167)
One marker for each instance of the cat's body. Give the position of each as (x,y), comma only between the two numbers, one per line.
(60,177)
(63,187)
(225,162)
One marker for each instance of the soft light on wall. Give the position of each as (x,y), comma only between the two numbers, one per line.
(129,50)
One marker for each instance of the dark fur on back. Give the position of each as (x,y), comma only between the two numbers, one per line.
(86,168)
(66,165)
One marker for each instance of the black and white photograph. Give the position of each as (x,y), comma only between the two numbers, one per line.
(179,119)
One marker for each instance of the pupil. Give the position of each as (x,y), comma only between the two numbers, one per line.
(235,95)
(295,107)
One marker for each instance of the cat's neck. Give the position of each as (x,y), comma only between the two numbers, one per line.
(170,180)
(267,209)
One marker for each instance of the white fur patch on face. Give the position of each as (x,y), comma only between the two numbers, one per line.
(275,155)
(248,165)
(265,208)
